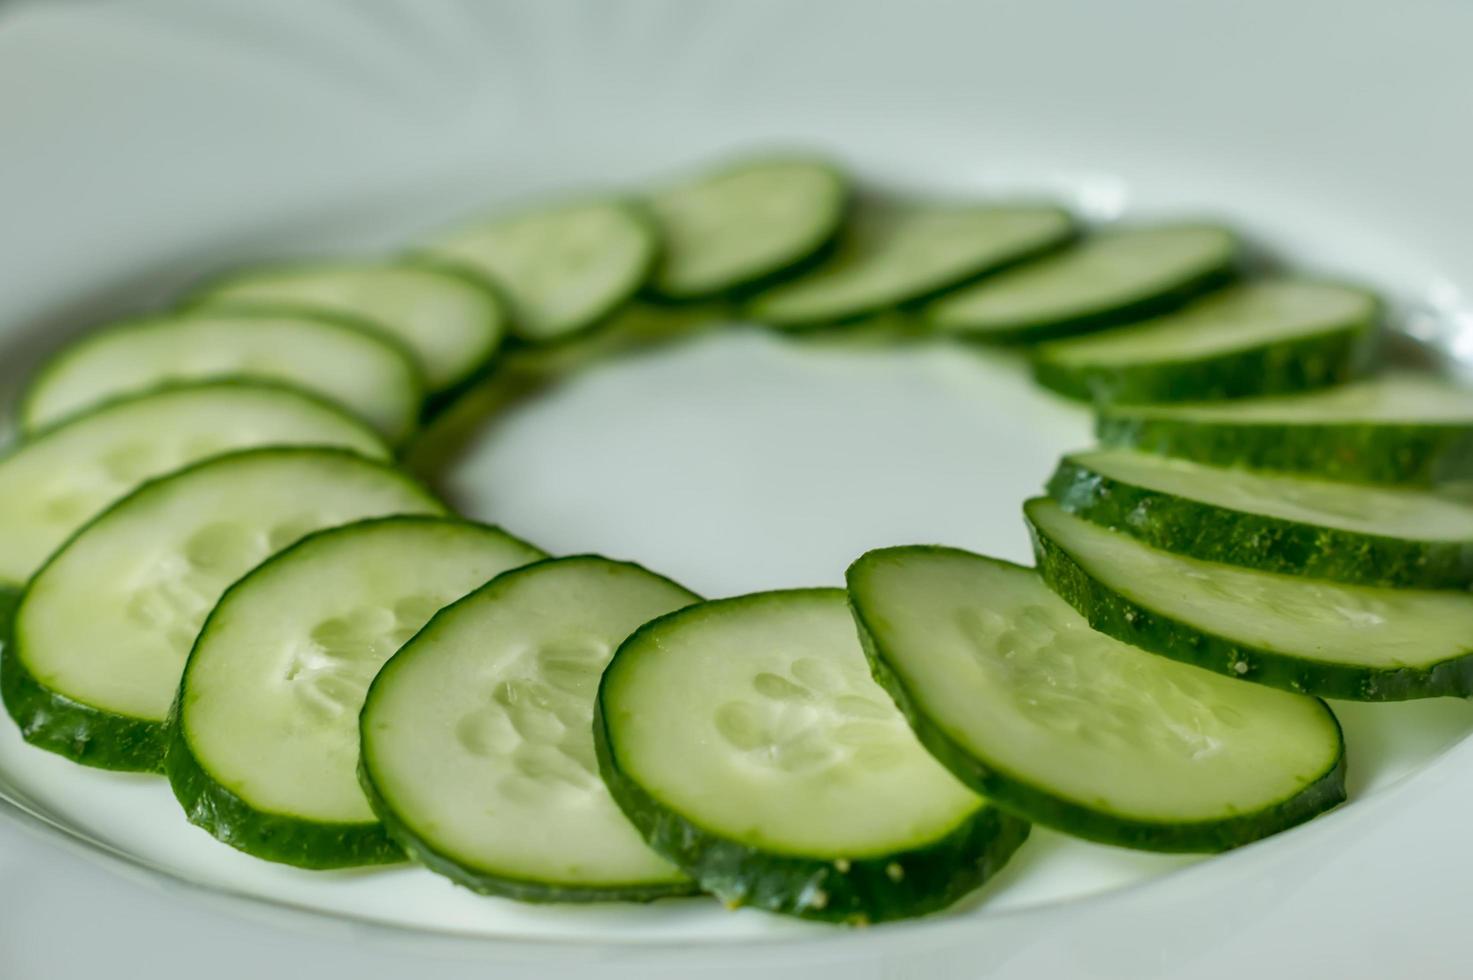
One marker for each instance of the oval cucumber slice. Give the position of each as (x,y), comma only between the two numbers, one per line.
(1401,428)
(891,254)
(453,322)
(1342,532)
(1012,691)
(1113,277)
(57,479)
(263,749)
(1261,338)
(564,269)
(103,629)
(1357,642)
(338,359)
(477,738)
(745,223)
(747,741)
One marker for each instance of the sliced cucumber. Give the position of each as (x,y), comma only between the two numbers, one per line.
(748,743)
(745,224)
(263,749)
(1262,338)
(336,358)
(103,629)
(477,744)
(453,322)
(891,254)
(1339,531)
(1357,642)
(1114,277)
(1401,428)
(1016,695)
(63,475)
(565,269)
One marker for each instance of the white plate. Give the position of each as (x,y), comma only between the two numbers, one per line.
(148,144)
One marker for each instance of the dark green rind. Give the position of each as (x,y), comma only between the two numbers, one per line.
(1317,360)
(1031,802)
(1114,615)
(1409,453)
(1272,544)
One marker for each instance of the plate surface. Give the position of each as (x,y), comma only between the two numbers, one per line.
(152,144)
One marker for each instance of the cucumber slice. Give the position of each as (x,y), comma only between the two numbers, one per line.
(1022,701)
(336,358)
(1262,338)
(477,744)
(1342,532)
(263,749)
(1401,428)
(744,224)
(56,480)
(565,269)
(1116,276)
(1357,642)
(103,629)
(890,255)
(747,741)
(453,322)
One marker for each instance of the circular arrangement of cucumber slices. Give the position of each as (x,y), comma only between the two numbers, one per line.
(210,567)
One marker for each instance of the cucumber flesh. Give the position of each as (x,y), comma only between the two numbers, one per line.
(56,480)
(1361,643)
(1115,276)
(103,629)
(264,742)
(744,224)
(1268,337)
(477,744)
(1345,532)
(452,322)
(747,741)
(565,269)
(1011,689)
(337,359)
(890,255)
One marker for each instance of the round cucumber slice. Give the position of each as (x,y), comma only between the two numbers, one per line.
(339,359)
(1357,642)
(264,742)
(744,224)
(1261,338)
(61,476)
(1114,277)
(103,629)
(477,743)
(1016,695)
(565,269)
(452,322)
(747,741)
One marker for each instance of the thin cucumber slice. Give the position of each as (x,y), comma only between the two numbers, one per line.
(1357,642)
(565,269)
(890,255)
(1017,696)
(477,737)
(336,358)
(102,631)
(1402,428)
(745,224)
(53,482)
(1278,523)
(1116,276)
(453,322)
(1261,338)
(263,749)
(747,741)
